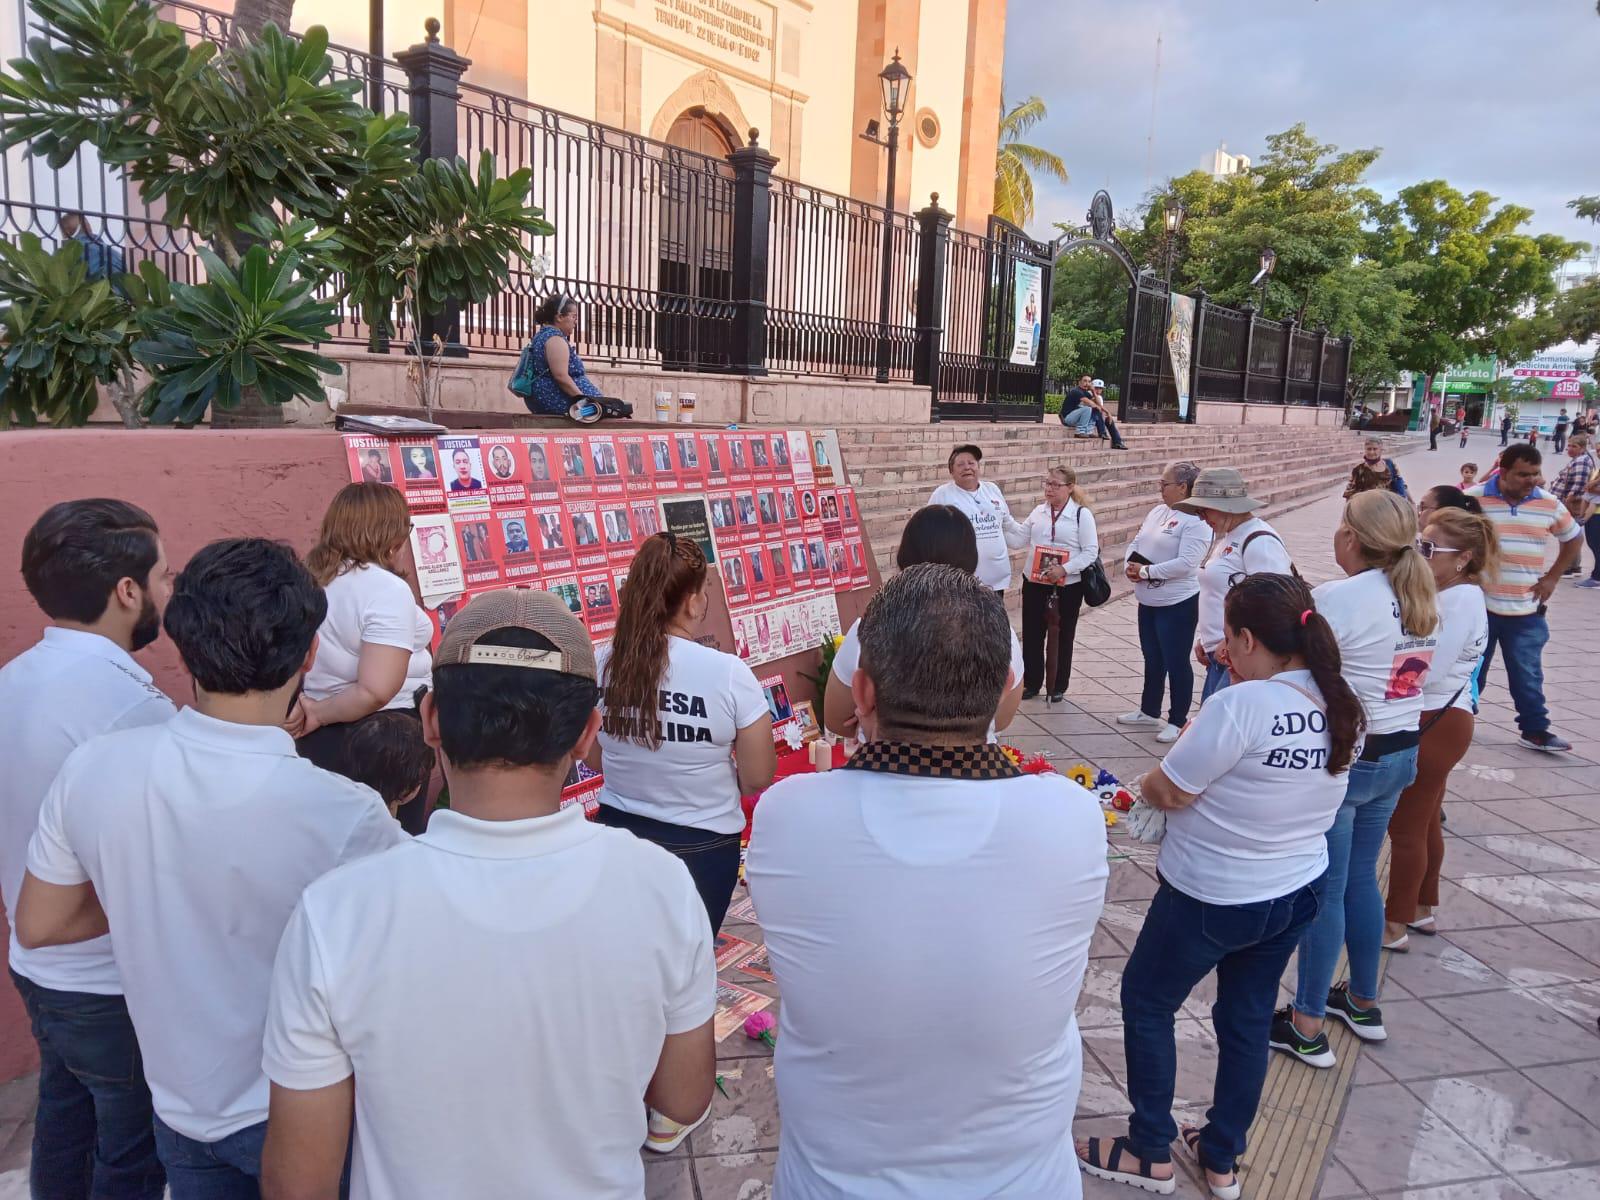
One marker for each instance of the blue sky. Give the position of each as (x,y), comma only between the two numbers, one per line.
(1483,93)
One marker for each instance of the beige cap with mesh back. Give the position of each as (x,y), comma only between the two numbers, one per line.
(518,608)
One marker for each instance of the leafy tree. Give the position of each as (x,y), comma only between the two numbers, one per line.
(1369,303)
(1576,313)
(235,143)
(1480,284)
(1016,162)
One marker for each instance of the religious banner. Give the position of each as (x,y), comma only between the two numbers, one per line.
(1028,312)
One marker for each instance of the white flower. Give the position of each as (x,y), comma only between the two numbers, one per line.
(539,266)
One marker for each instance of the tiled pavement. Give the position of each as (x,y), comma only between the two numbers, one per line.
(1489,1086)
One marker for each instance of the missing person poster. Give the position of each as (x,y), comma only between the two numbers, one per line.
(437,554)
(1028,314)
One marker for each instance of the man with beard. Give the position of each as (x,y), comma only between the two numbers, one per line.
(98,570)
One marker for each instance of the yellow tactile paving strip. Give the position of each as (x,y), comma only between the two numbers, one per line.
(1299,1114)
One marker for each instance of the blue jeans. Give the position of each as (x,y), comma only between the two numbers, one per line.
(1081,419)
(1217,678)
(226,1170)
(91,1134)
(1352,918)
(712,858)
(1181,942)
(1166,635)
(1522,639)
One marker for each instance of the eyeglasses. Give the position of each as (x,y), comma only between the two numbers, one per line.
(1054,483)
(1428,549)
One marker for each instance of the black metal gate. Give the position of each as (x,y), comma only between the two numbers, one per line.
(996,338)
(1148,393)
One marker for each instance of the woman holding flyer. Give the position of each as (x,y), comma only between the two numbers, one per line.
(685,729)
(372,648)
(1062,540)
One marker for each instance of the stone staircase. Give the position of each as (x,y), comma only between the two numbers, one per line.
(894,468)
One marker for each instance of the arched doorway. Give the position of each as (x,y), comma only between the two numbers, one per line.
(695,258)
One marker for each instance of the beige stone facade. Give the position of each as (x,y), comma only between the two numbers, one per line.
(702,73)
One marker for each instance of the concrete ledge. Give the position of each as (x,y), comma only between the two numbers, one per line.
(1213,412)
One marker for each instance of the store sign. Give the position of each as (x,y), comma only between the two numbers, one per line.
(1474,370)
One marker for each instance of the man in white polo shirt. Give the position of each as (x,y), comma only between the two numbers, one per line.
(567,967)
(928,912)
(191,842)
(98,570)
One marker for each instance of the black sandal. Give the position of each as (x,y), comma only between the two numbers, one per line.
(1108,1170)
(1190,1136)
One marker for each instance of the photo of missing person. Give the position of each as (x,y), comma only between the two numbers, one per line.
(789,513)
(420,463)
(780,450)
(720,519)
(747,509)
(634,453)
(819,451)
(538,465)
(646,520)
(1407,675)
(808,503)
(605,458)
(819,557)
(475,542)
(713,457)
(500,464)
(758,570)
(797,558)
(464,471)
(584,532)
(597,597)
(688,456)
(375,468)
(778,701)
(736,454)
(735,567)
(616,523)
(661,454)
(550,535)
(569,596)
(758,453)
(516,535)
(830,508)
(572,462)
(769,508)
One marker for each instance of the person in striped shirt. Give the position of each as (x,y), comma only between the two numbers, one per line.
(1525,516)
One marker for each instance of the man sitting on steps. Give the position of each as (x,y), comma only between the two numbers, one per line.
(1084,406)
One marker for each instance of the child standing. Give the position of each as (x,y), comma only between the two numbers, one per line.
(1469,475)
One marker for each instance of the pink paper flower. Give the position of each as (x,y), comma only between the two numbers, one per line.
(759,1026)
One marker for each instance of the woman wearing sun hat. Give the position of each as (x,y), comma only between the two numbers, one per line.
(1241,544)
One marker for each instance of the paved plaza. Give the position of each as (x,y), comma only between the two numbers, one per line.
(1489,1085)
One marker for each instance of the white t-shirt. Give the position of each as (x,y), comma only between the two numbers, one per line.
(199,836)
(706,698)
(1463,637)
(991,516)
(847,660)
(1257,756)
(369,604)
(67,688)
(1228,561)
(500,990)
(930,938)
(1176,544)
(1072,531)
(1384,664)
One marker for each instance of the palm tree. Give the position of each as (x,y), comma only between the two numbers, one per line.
(1016,162)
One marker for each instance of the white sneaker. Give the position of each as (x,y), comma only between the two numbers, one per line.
(1138,718)
(666,1135)
(1169,734)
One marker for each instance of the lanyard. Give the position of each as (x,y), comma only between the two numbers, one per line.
(1054,517)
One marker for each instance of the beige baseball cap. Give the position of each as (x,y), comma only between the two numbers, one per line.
(518,608)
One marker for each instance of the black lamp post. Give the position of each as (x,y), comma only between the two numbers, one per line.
(375,56)
(896,81)
(1172,216)
(1269,262)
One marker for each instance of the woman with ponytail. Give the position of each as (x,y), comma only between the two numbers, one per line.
(1461,548)
(1249,789)
(1386,619)
(685,729)
(1061,539)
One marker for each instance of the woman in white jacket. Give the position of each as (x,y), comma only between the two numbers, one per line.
(1062,540)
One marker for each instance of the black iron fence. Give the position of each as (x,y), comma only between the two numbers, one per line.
(680,260)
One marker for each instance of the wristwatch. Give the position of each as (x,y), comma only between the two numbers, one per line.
(1144,571)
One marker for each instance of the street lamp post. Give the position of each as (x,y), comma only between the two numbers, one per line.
(896,81)
(1172,217)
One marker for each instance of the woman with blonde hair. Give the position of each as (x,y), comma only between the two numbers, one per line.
(1062,540)
(686,728)
(1461,549)
(372,648)
(1385,617)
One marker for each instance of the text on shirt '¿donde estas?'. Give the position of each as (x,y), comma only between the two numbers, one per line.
(680,704)
(1293,724)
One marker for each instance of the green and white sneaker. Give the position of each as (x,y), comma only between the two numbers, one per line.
(1365,1023)
(1314,1052)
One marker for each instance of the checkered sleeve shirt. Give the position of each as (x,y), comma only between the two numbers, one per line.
(1574,477)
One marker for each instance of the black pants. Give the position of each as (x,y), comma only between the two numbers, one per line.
(1560,439)
(1035,601)
(1166,636)
(712,858)
(325,748)
(1591,534)
(1433,439)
